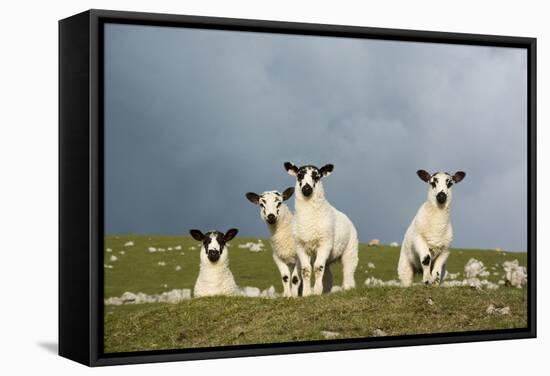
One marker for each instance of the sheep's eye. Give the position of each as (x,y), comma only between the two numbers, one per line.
(449,183)
(278,204)
(433,183)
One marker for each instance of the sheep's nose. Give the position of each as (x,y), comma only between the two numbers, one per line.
(213,255)
(307,190)
(271,219)
(441,197)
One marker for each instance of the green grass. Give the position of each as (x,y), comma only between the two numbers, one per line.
(228,320)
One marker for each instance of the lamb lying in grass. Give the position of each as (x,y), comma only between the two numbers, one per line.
(214,278)
(425,247)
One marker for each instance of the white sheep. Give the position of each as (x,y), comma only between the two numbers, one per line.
(322,233)
(425,247)
(214,278)
(279,220)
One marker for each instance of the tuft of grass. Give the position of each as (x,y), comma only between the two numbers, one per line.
(221,321)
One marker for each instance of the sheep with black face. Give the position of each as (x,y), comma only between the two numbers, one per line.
(214,278)
(425,247)
(322,233)
(279,220)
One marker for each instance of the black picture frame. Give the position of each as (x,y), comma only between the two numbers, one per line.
(81,182)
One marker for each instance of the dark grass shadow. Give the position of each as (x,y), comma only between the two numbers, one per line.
(50,347)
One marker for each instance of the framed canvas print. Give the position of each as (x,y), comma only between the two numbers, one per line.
(236,187)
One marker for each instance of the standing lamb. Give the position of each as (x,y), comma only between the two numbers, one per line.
(214,278)
(426,244)
(322,233)
(279,220)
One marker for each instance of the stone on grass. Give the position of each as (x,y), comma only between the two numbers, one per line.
(493,310)
(329,335)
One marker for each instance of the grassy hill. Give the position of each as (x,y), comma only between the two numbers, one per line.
(362,312)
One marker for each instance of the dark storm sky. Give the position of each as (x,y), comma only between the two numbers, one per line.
(194,119)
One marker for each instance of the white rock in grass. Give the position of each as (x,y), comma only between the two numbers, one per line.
(472,282)
(251,292)
(182,253)
(161,263)
(452,276)
(129,244)
(107,266)
(253,247)
(516,275)
(152,249)
(329,335)
(492,310)
(109,250)
(489,285)
(379,333)
(113,258)
(192,248)
(177,268)
(177,248)
(452,283)
(374,282)
(122,252)
(173,296)
(169,248)
(473,268)
(269,293)
(370,265)
(161,249)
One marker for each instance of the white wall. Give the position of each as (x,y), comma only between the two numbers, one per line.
(28,182)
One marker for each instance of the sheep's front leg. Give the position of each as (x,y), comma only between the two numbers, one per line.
(438,269)
(285,274)
(323,252)
(295,280)
(305,268)
(425,256)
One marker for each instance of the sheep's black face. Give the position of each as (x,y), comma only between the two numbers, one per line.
(270,203)
(440,185)
(307,177)
(213,242)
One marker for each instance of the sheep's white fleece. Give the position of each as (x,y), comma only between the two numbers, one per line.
(215,278)
(320,226)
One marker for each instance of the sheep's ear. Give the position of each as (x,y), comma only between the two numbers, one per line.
(459,176)
(288,193)
(424,175)
(291,169)
(197,235)
(253,197)
(326,170)
(230,234)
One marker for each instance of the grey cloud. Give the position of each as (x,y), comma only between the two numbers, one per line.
(196,118)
